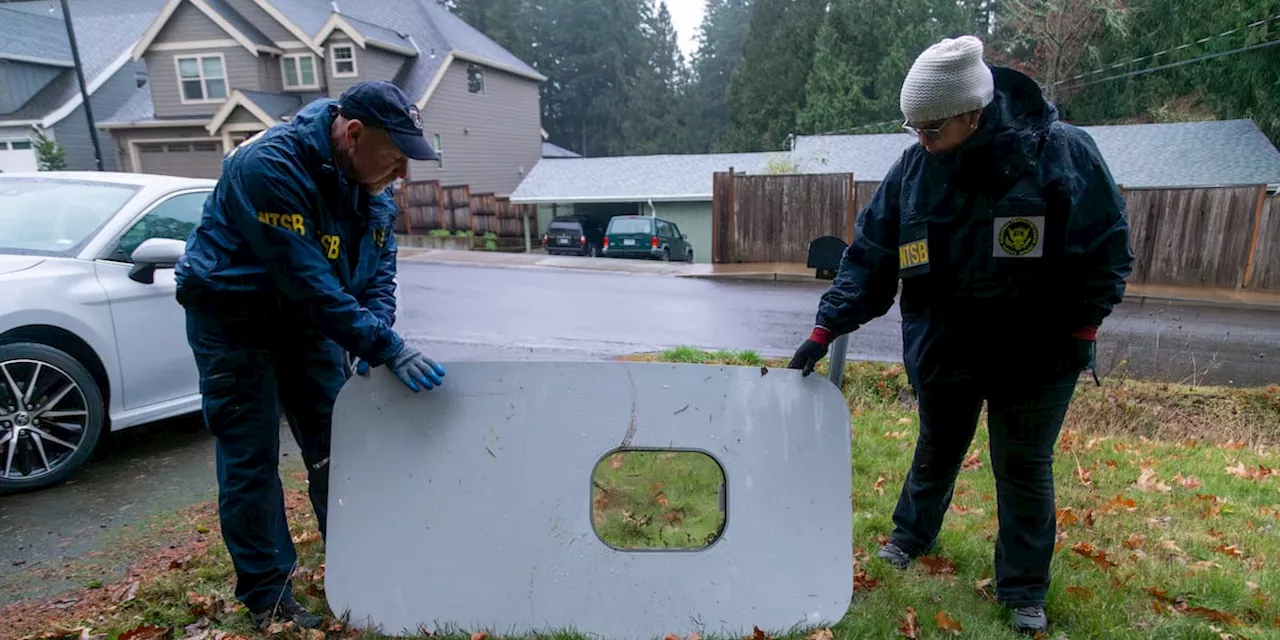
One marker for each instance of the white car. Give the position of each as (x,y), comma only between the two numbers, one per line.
(91,335)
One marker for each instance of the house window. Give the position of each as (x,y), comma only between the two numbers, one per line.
(344,60)
(300,71)
(20,145)
(140,78)
(475,79)
(202,78)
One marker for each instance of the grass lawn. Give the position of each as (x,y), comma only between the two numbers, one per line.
(1168,503)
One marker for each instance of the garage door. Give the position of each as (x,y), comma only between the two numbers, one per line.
(17,155)
(189,159)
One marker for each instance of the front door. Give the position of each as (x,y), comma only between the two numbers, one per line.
(156,363)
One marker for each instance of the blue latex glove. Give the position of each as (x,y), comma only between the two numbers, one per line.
(412,368)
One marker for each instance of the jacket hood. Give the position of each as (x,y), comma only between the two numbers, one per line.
(312,123)
(1010,132)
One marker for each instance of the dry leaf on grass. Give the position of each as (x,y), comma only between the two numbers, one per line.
(880,484)
(479,635)
(1189,482)
(757,634)
(1120,502)
(146,632)
(936,566)
(983,588)
(946,623)
(1080,592)
(1135,541)
(1098,557)
(972,462)
(909,626)
(862,582)
(1067,517)
(1148,481)
(1231,550)
(896,435)
(1085,477)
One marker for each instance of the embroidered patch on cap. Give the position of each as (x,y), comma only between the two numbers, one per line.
(415,116)
(1018,237)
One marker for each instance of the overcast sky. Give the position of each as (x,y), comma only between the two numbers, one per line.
(686,15)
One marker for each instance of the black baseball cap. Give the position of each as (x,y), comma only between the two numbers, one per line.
(383,105)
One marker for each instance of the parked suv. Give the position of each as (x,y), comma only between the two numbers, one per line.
(579,236)
(646,237)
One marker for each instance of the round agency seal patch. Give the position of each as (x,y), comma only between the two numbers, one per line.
(1019,236)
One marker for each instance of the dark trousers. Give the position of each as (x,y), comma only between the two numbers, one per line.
(255,363)
(1024,420)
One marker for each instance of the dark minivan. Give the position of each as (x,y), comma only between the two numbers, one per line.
(646,237)
(579,236)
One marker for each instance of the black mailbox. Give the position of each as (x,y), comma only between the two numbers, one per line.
(824,255)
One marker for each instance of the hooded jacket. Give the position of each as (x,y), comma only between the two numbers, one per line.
(1004,246)
(285,223)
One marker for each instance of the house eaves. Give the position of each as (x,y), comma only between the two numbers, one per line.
(57,115)
(238,99)
(456,55)
(49,62)
(289,26)
(362,39)
(236,34)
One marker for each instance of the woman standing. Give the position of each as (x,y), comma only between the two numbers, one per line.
(1010,239)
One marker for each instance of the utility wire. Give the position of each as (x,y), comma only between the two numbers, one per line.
(1207,56)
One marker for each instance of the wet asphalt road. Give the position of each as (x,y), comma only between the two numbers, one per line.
(480,313)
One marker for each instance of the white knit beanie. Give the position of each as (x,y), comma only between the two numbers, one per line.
(948,79)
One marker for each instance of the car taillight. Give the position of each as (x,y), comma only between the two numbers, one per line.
(582,239)
(606,242)
(654,242)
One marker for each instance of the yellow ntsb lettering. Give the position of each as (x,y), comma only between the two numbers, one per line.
(913,254)
(287,221)
(332,245)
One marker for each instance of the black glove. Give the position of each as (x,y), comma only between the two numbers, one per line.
(813,350)
(412,368)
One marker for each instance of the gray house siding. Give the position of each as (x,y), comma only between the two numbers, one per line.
(262,20)
(123,137)
(489,141)
(188,23)
(243,71)
(72,132)
(241,116)
(270,75)
(371,63)
(22,80)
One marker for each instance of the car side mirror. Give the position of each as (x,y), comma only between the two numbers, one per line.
(152,254)
(684,236)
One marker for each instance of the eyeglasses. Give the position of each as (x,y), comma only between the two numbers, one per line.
(933,133)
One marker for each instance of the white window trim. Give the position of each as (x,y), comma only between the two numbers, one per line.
(226,82)
(315,72)
(333,61)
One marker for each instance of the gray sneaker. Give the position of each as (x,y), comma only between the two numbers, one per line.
(1030,620)
(895,555)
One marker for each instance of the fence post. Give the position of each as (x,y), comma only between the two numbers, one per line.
(528,242)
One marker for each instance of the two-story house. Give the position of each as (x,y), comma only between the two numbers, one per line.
(39,92)
(222,70)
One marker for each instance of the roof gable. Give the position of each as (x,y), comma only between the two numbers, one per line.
(28,37)
(222,14)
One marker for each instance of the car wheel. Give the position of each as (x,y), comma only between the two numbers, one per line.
(688,257)
(666,254)
(51,416)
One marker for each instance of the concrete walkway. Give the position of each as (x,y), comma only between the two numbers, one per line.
(795,272)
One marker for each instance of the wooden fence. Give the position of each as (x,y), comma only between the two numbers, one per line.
(1224,237)
(427,206)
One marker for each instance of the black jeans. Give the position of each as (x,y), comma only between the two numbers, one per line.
(256,362)
(1024,420)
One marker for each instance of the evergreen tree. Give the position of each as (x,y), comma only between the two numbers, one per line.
(767,90)
(720,42)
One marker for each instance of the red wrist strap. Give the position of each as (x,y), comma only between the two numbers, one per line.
(1086,333)
(821,335)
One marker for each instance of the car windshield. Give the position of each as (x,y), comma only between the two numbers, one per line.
(630,225)
(47,216)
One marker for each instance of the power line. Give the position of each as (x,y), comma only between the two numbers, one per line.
(1157,54)
(1208,56)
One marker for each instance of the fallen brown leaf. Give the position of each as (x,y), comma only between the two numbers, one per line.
(1098,557)
(1085,477)
(661,499)
(479,635)
(147,632)
(936,565)
(972,462)
(1067,517)
(1135,541)
(909,626)
(1171,547)
(946,623)
(880,484)
(1148,481)
(757,634)
(1212,615)
(1231,550)
(1189,482)
(983,587)
(862,582)
(1080,592)
(1232,445)
(1120,502)
(128,592)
